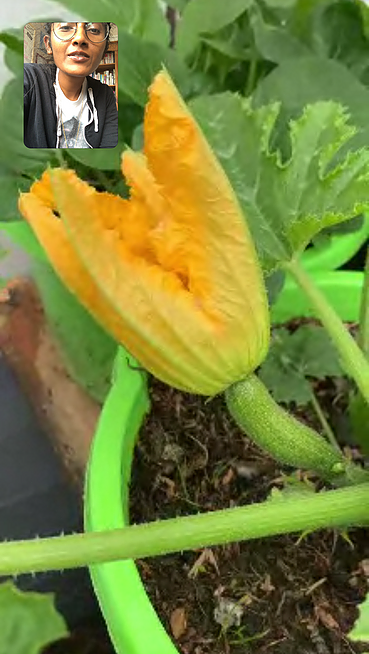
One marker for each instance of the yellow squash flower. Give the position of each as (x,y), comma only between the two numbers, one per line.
(172,272)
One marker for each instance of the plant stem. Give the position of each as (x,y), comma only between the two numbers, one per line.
(59,156)
(363,336)
(339,508)
(287,440)
(353,359)
(251,77)
(324,422)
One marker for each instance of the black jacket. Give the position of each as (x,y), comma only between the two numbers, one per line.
(40,120)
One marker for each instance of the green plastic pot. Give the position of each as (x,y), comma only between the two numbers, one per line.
(88,351)
(336,250)
(133,625)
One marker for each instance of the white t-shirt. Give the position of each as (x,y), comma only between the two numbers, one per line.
(73,116)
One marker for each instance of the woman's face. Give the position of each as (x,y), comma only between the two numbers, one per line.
(89,54)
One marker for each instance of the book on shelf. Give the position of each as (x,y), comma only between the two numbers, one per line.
(108,59)
(106,77)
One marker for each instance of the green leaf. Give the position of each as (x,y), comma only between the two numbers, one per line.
(14,59)
(105,159)
(364,9)
(308,352)
(177,4)
(337,32)
(29,621)
(140,61)
(233,50)
(13,153)
(12,42)
(297,83)
(280,4)
(11,184)
(286,202)
(206,17)
(293,489)
(275,43)
(348,227)
(360,630)
(144,18)
(151,24)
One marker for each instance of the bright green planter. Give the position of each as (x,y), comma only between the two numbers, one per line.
(132,622)
(337,250)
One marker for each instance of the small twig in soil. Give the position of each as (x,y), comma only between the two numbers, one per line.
(317,584)
(202,446)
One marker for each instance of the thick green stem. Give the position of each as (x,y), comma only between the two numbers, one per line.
(339,508)
(352,357)
(363,336)
(285,438)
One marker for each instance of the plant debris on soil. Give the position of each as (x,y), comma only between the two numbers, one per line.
(279,595)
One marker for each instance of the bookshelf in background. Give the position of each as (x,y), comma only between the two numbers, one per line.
(107,72)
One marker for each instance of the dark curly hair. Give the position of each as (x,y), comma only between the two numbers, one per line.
(48,27)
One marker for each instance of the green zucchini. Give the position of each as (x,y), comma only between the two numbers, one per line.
(286,439)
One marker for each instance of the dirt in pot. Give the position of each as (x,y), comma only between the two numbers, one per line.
(280,595)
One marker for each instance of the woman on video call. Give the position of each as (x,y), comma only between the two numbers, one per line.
(63,106)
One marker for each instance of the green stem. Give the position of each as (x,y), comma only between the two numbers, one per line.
(60,157)
(285,438)
(353,359)
(339,508)
(363,336)
(324,422)
(251,78)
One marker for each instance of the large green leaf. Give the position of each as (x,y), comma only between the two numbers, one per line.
(338,32)
(206,17)
(14,57)
(141,17)
(275,43)
(364,9)
(177,4)
(11,184)
(280,4)
(298,83)
(13,152)
(105,159)
(139,62)
(12,42)
(286,202)
(308,352)
(29,621)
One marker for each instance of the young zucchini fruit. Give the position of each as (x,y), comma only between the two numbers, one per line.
(286,439)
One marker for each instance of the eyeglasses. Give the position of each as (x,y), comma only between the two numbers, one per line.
(95,32)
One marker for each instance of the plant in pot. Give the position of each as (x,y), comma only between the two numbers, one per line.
(179,282)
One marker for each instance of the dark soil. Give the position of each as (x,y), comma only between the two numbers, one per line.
(295,595)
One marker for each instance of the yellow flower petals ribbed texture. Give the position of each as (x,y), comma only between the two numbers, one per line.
(172,272)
